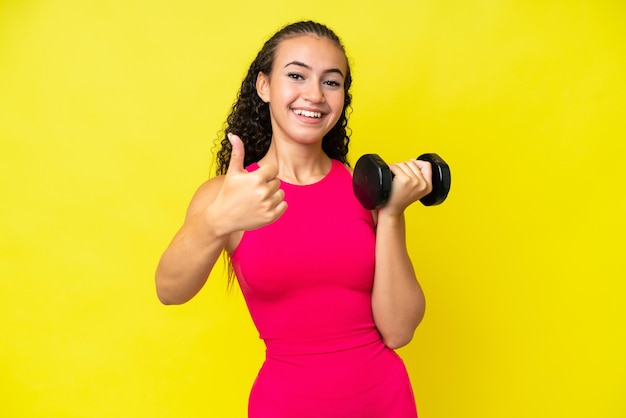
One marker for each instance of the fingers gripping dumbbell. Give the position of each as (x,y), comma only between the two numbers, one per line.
(371,181)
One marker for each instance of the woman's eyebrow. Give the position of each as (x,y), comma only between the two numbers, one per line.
(308,67)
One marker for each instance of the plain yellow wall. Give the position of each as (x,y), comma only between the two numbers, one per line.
(108,110)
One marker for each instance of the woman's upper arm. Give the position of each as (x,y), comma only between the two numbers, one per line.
(204,196)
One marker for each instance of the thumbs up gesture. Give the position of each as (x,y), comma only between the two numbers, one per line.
(249,200)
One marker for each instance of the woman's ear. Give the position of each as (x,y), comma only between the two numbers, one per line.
(263,86)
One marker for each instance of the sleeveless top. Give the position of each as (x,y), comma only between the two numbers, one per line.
(307,281)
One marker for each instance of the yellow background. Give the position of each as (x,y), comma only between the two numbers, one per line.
(108,110)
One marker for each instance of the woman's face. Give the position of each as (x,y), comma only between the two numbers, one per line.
(305,89)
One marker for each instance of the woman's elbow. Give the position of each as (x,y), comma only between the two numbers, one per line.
(401,335)
(398,340)
(167,293)
(166,299)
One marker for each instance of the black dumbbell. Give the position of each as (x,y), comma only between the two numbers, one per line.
(371,181)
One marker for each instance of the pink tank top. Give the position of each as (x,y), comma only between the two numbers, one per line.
(307,278)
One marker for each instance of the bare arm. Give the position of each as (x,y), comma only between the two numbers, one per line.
(188,260)
(398,302)
(222,206)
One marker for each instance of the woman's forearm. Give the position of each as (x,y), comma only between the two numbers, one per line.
(398,302)
(187,262)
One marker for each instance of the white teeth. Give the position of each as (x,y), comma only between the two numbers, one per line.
(307,113)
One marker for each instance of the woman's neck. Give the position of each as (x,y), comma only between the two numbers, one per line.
(299,164)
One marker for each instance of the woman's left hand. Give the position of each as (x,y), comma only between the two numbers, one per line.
(412,181)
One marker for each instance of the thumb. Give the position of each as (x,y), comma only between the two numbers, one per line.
(236,155)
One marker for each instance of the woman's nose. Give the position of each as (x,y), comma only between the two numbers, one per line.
(313,92)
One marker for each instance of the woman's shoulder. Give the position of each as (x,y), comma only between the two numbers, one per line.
(205,194)
(341,167)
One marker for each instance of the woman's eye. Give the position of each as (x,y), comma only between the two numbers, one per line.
(295,76)
(332,83)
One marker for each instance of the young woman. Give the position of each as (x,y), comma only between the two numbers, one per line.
(329,285)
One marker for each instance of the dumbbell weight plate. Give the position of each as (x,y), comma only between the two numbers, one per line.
(371,181)
(441,179)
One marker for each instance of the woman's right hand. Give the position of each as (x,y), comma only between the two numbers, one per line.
(247,200)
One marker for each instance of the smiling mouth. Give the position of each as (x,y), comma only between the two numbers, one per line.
(308,113)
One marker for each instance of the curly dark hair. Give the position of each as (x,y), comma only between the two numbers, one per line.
(250,116)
